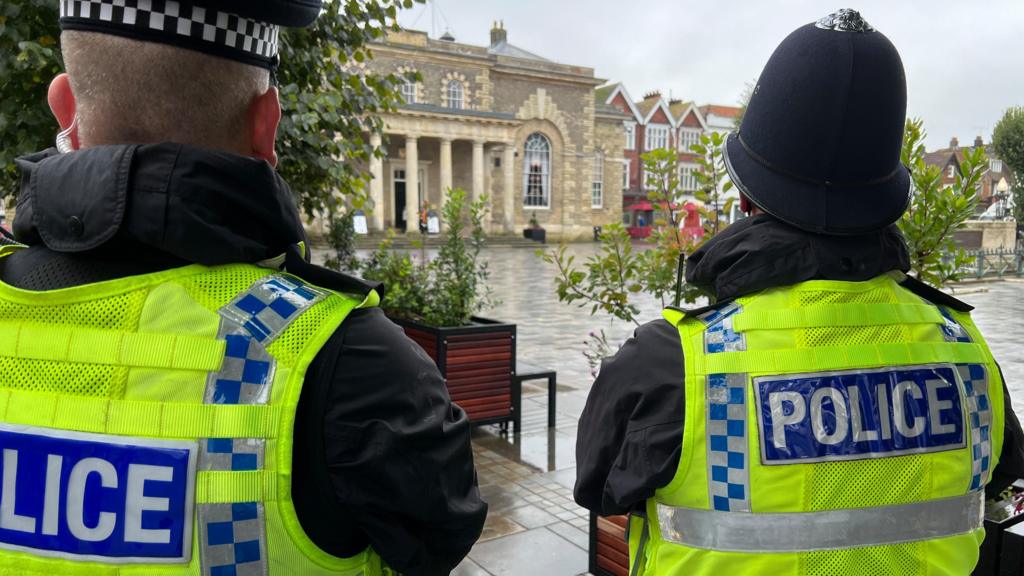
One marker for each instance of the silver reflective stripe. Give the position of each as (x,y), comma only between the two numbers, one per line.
(830,530)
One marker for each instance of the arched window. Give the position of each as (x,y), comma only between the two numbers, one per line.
(453,95)
(537,171)
(409,91)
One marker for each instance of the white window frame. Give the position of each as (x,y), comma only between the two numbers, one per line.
(409,91)
(455,95)
(630,128)
(687,178)
(995,165)
(627,163)
(688,137)
(597,185)
(656,136)
(951,172)
(537,151)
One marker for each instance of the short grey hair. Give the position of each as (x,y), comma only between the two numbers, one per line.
(129,91)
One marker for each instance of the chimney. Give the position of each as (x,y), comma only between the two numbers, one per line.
(978,143)
(954,144)
(498,33)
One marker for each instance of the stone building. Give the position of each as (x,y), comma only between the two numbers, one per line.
(498,121)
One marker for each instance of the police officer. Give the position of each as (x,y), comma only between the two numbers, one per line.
(182,393)
(827,414)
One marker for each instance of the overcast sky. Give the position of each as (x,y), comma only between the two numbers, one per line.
(963,58)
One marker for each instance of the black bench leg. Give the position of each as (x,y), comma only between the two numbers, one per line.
(552,388)
(517,404)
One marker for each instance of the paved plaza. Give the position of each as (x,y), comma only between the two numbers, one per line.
(534,527)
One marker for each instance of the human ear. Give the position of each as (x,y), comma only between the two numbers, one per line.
(264,118)
(62,104)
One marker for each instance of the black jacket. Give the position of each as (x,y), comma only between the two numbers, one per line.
(382,457)
(630,433)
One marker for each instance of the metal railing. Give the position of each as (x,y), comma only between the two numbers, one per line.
(994,263)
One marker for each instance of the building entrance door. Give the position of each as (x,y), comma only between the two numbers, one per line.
(399,203)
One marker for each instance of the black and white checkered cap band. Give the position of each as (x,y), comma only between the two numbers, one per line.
(179,23)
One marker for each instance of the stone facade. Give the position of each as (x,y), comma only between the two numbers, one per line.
(473,110)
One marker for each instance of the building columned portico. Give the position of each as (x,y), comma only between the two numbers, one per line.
(498,122)
(419,150)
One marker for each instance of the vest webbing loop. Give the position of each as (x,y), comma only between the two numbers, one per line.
(225,487)
(93,346)
(139,417)
(837,315)
(792,361)
(827,530)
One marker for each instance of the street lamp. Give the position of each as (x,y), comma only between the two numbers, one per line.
(1002,190)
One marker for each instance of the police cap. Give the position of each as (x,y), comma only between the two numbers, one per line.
(243,30)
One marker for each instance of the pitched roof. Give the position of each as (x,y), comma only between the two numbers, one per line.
(647,104)
(503,48)
(678,108)
(602,93)
(720,110)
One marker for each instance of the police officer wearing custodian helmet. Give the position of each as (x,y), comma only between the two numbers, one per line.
(182,393)
(828,414)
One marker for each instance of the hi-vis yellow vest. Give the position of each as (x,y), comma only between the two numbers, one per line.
(832,428)
(146,424)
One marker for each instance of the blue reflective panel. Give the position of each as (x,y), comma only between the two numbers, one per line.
(849,415)
(95,496)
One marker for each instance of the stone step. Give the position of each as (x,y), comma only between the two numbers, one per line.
(403,242)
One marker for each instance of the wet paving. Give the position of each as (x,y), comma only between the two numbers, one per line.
(534,527)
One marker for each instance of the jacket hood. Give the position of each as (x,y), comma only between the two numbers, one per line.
(202,206)
(762,252)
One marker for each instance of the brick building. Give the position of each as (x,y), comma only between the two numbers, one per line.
(501,121)
(996,178)
(656,122)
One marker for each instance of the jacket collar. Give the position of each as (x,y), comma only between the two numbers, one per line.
(762,252)
(197,205)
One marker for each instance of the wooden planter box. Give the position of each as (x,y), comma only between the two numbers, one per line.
(609,551)
(478,363)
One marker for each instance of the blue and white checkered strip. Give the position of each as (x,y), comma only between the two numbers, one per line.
(233,536)
(247,372)
(233,541)
(979,414)
(266,309)
(952,331)
(719,335)
(726,424)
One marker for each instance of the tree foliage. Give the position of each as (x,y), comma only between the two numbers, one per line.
(937,211)
(444,291)
(327,101)
(29,58)
(1008,141)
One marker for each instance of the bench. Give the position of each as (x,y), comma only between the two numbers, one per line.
(526,371)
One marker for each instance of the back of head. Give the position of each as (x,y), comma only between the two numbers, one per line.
(130,91)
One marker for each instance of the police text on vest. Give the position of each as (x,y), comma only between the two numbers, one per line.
(856,414)
(96,497)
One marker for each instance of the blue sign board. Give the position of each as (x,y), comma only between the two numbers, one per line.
(96,497)
(855,414)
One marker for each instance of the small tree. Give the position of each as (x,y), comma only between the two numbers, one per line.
(608,280)
(444,291)
(937,211)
